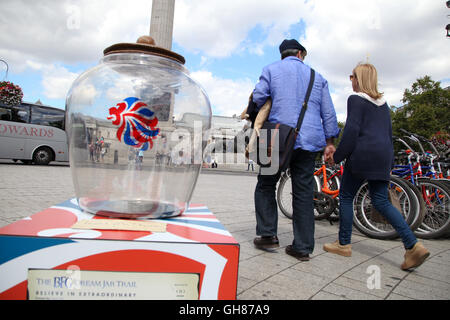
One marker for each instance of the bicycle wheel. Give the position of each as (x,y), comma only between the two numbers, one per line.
(284,195)
(324,205)
(334,184)
(377,227)
(422,209)
(436,222)
(444,181)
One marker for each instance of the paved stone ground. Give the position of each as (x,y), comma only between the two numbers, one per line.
(27,189)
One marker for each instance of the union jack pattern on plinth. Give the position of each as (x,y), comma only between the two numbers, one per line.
(194,242)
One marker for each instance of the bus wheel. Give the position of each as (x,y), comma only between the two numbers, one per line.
(42,156)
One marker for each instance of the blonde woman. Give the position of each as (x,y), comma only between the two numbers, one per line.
(367,147)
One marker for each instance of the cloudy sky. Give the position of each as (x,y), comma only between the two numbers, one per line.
(48,43)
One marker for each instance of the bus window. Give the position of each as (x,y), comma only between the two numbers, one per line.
(18,113)
(48,117)
(5,114)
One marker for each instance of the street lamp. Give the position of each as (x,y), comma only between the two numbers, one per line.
(6,64)
(448,26)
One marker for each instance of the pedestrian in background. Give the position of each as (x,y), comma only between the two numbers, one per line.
(286,82)
(250,163)
(367,147)
(91,151)
(139,159)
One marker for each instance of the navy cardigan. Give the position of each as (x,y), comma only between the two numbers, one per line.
(366,143)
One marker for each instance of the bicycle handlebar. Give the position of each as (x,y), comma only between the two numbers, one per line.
(415,139)
(418,136)
(423,139)
(406,144)
(407,132)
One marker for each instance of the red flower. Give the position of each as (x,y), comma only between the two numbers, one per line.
(10,94)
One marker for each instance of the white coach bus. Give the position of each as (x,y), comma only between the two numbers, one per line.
(32,133)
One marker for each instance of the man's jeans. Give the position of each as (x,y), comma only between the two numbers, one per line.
(378,191)
(302,176)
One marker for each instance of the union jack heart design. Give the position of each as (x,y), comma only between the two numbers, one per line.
(136,121)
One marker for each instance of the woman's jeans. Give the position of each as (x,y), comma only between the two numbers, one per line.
(302,175)
(378,190)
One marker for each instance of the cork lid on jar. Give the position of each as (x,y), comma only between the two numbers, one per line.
(146,45)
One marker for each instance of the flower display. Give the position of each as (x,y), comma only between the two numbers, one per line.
(441,140)
(10,94)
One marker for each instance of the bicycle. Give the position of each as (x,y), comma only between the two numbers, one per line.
(432,188)
(406,200)
(424,208)
(412,171)
(436,222)
(329,183)
(326,191)
(409,203)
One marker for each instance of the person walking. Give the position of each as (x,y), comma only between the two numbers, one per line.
(91,151)
(250,163)
(367,147)
(286,82)
(139,159)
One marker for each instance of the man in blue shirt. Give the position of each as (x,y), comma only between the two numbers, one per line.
(286,82)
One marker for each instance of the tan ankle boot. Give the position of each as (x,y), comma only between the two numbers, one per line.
(335,247)
(415,256)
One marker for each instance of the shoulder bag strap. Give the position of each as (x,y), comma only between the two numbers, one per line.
(305,103)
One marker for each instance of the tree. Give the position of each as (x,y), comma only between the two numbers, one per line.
(425,110)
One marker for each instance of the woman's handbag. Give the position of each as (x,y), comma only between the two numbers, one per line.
(376,216)
(279,139)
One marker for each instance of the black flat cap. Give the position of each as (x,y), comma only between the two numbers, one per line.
(291,44)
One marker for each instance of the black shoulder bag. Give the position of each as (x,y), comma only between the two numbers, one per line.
(278,138)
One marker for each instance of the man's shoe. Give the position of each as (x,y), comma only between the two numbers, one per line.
(415,256)
(337,248)
(300,256)
(269,242)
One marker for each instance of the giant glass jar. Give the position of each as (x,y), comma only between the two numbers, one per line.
(137,125)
